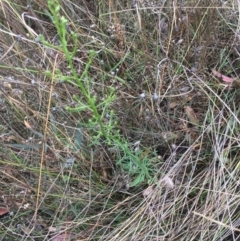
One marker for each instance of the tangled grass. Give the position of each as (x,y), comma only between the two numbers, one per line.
(113,126)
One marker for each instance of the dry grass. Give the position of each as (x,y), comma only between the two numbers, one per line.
(167,166)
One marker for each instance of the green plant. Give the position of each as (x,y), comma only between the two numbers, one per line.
(140,170)
(61,26)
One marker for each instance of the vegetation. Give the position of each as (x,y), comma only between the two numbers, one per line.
(119,120)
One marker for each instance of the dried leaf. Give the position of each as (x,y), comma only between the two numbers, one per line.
(173,105)
(33,131)
(7,85)
(3,211)
(27,124)
(148,191)
(62,237)
(223,77)
(191,115)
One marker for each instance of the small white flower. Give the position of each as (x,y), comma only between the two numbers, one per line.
(142,95)
(93,26)
(155,96)
(54,95)
(19,37)
(37,39)
(69,162)
(19,226)
(179,41)
(112,73)
(137,143)
(194,69)
(137,149)
(25,206)
(174,146)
